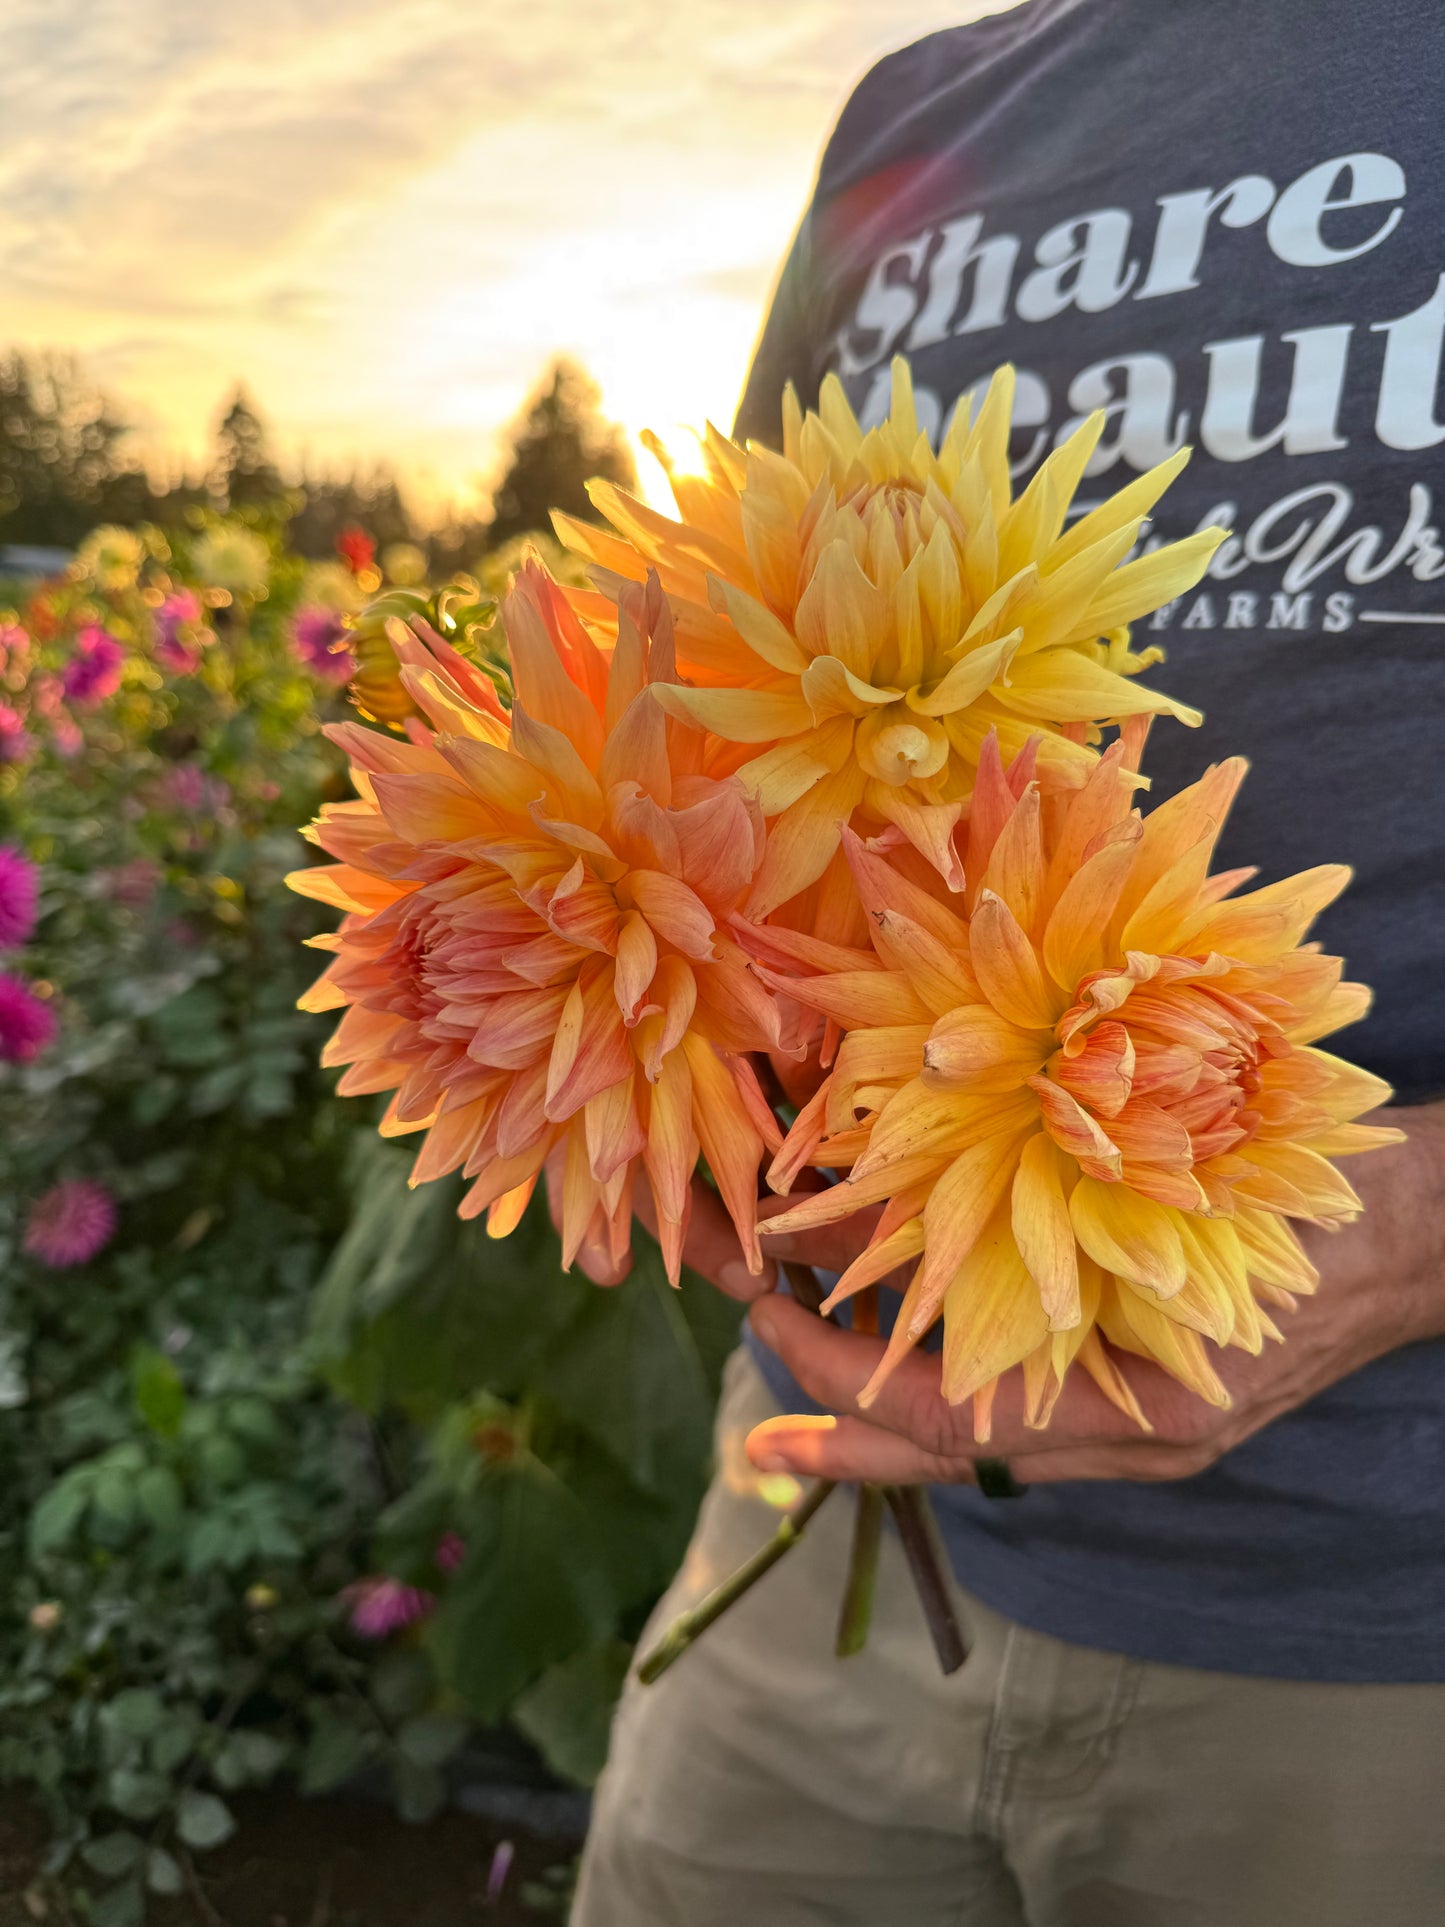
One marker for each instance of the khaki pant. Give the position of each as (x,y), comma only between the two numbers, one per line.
(763,1783)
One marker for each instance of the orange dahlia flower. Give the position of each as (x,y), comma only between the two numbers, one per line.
(859,612)
(1087,1091)
(533,954)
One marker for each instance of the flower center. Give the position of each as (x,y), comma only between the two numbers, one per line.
(897,746)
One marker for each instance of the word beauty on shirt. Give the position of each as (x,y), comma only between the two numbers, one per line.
(951,280)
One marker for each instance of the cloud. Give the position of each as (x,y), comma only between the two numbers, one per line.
(386,213)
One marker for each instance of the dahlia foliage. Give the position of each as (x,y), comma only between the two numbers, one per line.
(821,763)
(535,955)
(1086,1089)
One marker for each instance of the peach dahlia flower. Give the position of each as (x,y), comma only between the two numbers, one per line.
(858,612)
(533,955)
(1087,1090)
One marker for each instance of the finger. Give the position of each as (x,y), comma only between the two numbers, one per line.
(830,1247)
(711,1245)
(847,1448)
(833,1366)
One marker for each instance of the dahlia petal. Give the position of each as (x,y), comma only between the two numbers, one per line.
(613,1129)
(974,1049)
(936,972)
(1132,1320)
(1007,967)
(1015,865)
(737,715)
(1128,1235)
(670,1155)
(1060,686)
(759,628)
(636,750)
(802,840)
(1074,1130)
(1101,1073)
(1074,936)
(856,998)
(881,1257)
(831,689)
(675,911)
(781,775)
(959,1206)
(1043,1231)
(992,1316)
(1254,928)
(1155,578)
(729,1142)
(841,613)
(929,827)
(636,964)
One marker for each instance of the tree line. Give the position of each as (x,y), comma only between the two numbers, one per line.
(66,464)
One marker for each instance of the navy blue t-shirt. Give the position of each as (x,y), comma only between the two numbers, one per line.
(1224,222)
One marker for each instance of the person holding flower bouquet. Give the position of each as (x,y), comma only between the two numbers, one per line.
(1207,1677)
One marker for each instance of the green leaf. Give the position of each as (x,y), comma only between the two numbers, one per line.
(431,1739)
(122,1906)
(567,1714)
(113,1854)
(138,1795)
(535,1587)
(202,1820)
(163,1872)
(248,1759)
(59,1512)
(160,1396)
(115,1504)
(628,1371)
(159,1497)
(174,1742)
(335,1751)
(137,1712)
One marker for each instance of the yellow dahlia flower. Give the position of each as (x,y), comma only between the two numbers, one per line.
(1088,1089)
(533,955)
(859,612)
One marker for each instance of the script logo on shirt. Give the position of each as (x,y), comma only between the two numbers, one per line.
(939,294)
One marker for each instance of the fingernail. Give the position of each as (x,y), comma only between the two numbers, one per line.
(764,1321)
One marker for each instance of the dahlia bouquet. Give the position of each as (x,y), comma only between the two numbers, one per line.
(836,774)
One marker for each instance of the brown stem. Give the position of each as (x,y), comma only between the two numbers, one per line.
(918,1532)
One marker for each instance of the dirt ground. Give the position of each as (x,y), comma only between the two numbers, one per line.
(322,1863)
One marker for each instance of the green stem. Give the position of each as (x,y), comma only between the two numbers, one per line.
(691,1625)
(923,1549)
(856,1613)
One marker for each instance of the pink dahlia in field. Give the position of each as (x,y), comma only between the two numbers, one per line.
(27,1025)
(65,738)
(13,640)
(380,1606)
(19,894)
(70,1223)
(180,633)
(16,742)
(188,787)
(93,672)
(318,636)
(133,884)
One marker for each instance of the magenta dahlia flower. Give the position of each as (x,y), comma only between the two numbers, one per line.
(93,672)
(318,637)
(70,1223)
(27,1025)
(16,742)
(179,634)
(19,897)
(380,1606)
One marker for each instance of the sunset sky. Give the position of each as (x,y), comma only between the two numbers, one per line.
(385,215)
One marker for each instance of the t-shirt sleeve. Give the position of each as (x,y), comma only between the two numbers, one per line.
(786,350)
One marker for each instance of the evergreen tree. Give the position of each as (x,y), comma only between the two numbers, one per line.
(245,475)
(61,460)
(558,442)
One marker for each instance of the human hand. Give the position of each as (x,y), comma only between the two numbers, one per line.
(711,1246)
(1382,1284)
